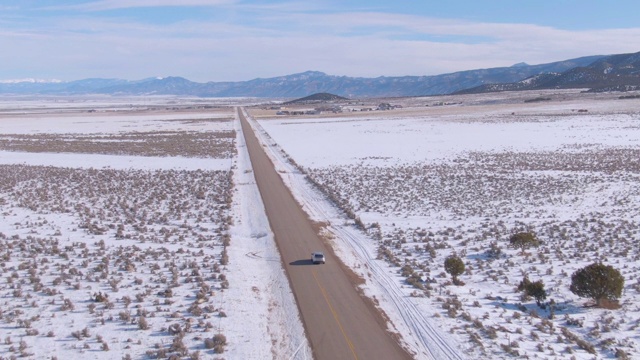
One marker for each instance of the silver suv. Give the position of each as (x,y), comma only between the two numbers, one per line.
(317,258)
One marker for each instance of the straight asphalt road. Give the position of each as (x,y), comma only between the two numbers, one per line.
(339,322)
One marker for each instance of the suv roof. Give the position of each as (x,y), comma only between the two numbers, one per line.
(317,257)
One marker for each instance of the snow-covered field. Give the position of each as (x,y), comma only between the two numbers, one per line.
(136,234)
(426,182)
(132,227)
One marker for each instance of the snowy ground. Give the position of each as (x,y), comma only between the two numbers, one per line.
(136,234)
(426,182)
(136,229)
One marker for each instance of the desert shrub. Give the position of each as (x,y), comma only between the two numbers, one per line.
(599,282)
(510,349)
(494,251)
(100,297)
(67,305)
(621,354)
(406,270)
(573,322)
(580,342)
(415,280)
(217,343)
(178,346)
(220,339)
(224,257)
(23,346)
(124,316)
(160,353)
(143,324)
(175,329)
(195,309)
(224,284)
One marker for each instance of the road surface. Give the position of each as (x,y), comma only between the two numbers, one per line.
(339,322)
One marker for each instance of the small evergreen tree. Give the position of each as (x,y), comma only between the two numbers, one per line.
(536,289)
(533,289)
(454,266)
(597,281)
(523,241)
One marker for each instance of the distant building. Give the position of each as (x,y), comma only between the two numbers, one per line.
(329,108)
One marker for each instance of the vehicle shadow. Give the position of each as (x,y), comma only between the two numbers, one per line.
(302,262)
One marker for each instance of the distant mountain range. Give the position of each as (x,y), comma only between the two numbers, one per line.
(615,72)
(610,73)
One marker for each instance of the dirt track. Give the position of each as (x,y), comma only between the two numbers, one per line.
(340,324)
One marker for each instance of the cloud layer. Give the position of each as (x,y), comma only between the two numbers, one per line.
(209,40)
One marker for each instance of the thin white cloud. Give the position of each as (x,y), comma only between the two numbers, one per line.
(381,23)
(285,7)
(363,44)
(128,4)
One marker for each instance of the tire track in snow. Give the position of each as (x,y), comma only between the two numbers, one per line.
(431,339)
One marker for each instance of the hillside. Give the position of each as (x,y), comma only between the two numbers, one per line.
(611,73)
(317,98)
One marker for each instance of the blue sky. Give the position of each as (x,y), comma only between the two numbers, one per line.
(232,40)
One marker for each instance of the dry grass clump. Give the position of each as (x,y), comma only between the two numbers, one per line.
(217,343)
(212,144)
(103,250)
(580,202)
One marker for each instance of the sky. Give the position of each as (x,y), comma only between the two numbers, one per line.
(237,40)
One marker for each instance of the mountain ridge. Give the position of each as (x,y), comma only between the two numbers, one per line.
(303,84)
(620,72)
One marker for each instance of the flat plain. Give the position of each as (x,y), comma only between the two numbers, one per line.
(132,228)
(117,216)
(445,176)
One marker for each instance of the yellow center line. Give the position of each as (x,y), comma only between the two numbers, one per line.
(335,316)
